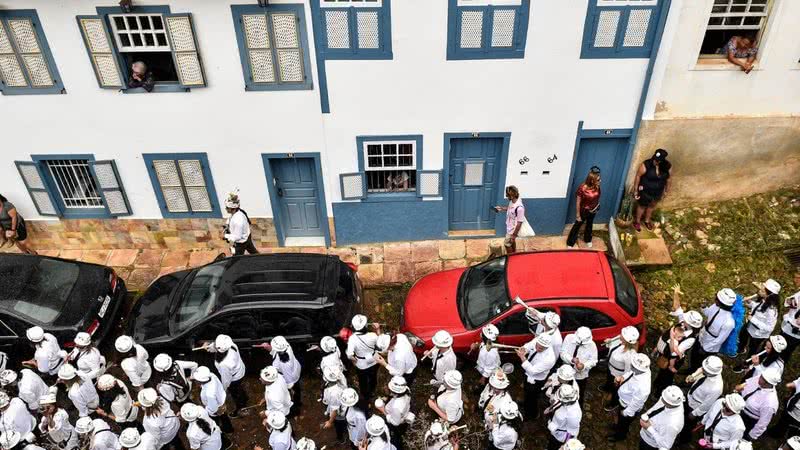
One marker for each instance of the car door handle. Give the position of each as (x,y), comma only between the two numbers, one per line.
(280,192)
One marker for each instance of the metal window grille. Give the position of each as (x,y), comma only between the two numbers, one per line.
(139,32)
(183,185)
(76,185)
(390,166)
(356,3)
(738,14)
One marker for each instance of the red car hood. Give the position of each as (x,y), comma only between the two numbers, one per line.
(431,305)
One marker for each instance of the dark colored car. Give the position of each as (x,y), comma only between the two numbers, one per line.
(250,298)
(59,295)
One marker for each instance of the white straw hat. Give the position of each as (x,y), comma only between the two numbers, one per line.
(640,362)
(35,334)
(67,372)
(509,410)
(383,342)
(130,437)
(359,321)
(190,412)
(771,375)
(673,396)
(499,380)
(306,444)
(349,397)
(453,379)
(566,393)
(630,334)
(778,342)
(202,374)
(772,286)
(490,332)
(726,296)
(330,374)
(7,377)
(583,335)
(162,362)
(106,382)
(123,344)
(566,373)
(442,339)
(279,344)
(84,425)
(328,344)
(83,339)
(552,320)
(573,444)
(269,374)
(276,420)
(694,319)
(712,365)
(398,385)
(376,426)
(223,343)
(735,402)
(147,397)
(544,340)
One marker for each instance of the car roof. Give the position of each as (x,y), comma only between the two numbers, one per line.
(558,274)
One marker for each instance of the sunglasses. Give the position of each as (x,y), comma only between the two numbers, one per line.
(595,170)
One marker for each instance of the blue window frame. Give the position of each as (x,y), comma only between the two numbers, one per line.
(27,65)
(273,46)
(478,29)
(620,28)
(183,184)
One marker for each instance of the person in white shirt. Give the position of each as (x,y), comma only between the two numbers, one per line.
(131,439)
(331,398)
(80,390)
(379,437)
(401,361)
(722,424)
(790,325)
(579,351)
(719,324)
(213,396)
(288,366)
(354,416)
(237,227)
(305,443)
(495,395)
(438,437)
(333,357)
(86,358)
(443,358)
(790,417)
(488,356)
(620,351)
(95,434)
(135,362)
(448,404)
(793,443)
(14,416)
(397,410)
(231,370)
(202,433)
(159,419)
(663,421)
(361,349)
(675,343)
(564,375)
(27,385)
(276,394)
(538,360)
(505,425)
(761,402)
(546,323)
(55,424)
(172,378)
(706,387)
(771,355)
(11,440)
(48,356)
(763,308)
(565,422)
(633,389)
(115,401)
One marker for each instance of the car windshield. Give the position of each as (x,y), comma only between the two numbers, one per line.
(484,293)
(200,296)
(624,288)
(37,288)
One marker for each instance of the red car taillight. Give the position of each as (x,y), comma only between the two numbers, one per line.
(113,279)
(93,327)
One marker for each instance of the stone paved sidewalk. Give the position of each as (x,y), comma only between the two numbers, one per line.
(380,263)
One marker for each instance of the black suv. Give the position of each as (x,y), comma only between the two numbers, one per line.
(250,298)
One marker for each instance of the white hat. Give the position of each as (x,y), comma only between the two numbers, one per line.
(583,335)
(453,379)
(437,428)
(330,374)
(162,362)
(4,399)
(376,426)
(573,444)
(49,398)
(544,340)
(490,332)
(35,334)
(231,204)
(147,397)
(694,319)
(712,365)
(223,343)
(771,375)
(349,397)
(398,385)
(640,362)
(630,334)
(442,339)
(567,394)
(509,410)
(383,342)
(499,380)
(190,412)
(279,344)
(359,321)
(7,377)
(566,373)
(130,437)
(202,374)
(735,402)
(552,319)
(726,296)
(306,444)
(742,445)
(276,420)
(83,339)
(106,381)
(673,396)
(67,372)
(772,286)
(328,344)
(9,439)
(84,425)
(794,442)
(123,344)
(778,342)
(269,374)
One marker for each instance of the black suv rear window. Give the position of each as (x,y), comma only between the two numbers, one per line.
(624,288)
(37,288)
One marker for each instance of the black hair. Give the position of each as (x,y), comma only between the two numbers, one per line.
(156,409)
(108,397)
(770,357)
(203,425)
(219,356)
(130,353)
(284,356)
(3,199)
(515,423)
(770,301)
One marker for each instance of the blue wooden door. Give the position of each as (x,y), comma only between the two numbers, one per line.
(609,155)
(474,177)
(295,184)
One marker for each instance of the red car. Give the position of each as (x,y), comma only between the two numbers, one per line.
(587,288)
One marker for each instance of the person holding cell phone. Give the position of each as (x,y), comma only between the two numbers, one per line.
(516,224)
(587,203)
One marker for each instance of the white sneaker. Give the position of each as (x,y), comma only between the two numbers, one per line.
(588,245)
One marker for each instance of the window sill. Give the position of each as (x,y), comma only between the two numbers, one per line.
(720,65)
(159,88)
(392,197)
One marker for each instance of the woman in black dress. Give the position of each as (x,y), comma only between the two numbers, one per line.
(651,183)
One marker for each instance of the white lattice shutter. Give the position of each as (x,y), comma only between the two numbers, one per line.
(259,48)
(23,32)
(337,28)
(367,23)
(101,52)
(10,68)
(110,185)
(354,185)
(429,183)
(194,182)
(34,182)
(471,29)
(171,187)
(503,27)
(287,47)
(637,29)
(184,50)
(606,32)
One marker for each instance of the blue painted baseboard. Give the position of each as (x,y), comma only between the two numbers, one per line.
(546,215)
(363,222)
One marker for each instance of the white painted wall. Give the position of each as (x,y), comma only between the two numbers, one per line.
(682,88)
(540,100)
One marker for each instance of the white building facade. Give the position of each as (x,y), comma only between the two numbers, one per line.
(336,120)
